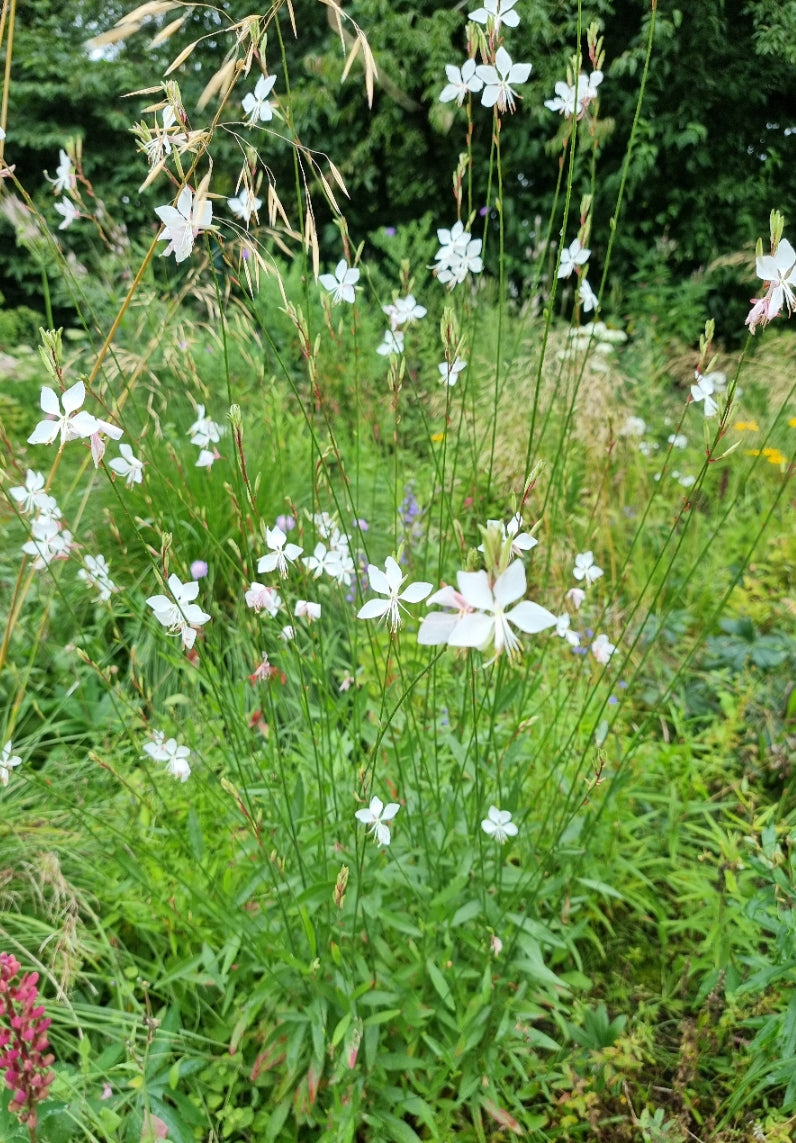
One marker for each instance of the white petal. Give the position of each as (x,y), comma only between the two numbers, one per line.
(378,580)
(373,609)
(415,592)
(73,398)
(530,617)
(472,631)
(474,586)
(49,402)
(436,628)
(511,585)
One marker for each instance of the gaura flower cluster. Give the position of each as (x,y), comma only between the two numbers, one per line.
(162,749)
(778,271)
(492,80)
(182,222)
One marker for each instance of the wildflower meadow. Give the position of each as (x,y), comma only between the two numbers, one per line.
(397,709)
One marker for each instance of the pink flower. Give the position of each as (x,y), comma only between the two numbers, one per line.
(24,1055)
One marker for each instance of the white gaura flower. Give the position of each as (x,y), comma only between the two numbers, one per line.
(602,649)
(392,343)
(245,205)
(8,760)
(177,759)
(388,583)
(703,391)
(572,256)
(256,105)
(449,371)
(49,541)
(68,211)
(181,225)
(490,622)
(375,818)
(341,284)
(69,420)
(585,567)
(128,466)
(96,574)
(498,79)
(30,497)
(154,748)
(323,560)
(563,631)
(307,609)
(204,431)
(404,310)
(65,177)
(98,444)
(498,824)
(459,255)
(498,12)
(460,82)
(259,598)
(571,99)
(180,614)
(281,552)
(588,298)
(576,596)
(521,542)
(778,271)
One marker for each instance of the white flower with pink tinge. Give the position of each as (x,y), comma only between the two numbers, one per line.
(491,622)
(778,271)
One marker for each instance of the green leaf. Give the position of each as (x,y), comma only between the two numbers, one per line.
(441,986)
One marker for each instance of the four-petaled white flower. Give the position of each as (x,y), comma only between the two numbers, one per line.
(180,614)
(375,818)
(162,749)
(32,496)
(570,99)
(498,12)
(69,420)
(404,310)
(458,255)
(461,81)
(563,631)
(449,371)
(588,298)
(128,466)
(96,573)
(281,552)
(572,256)
(521,542)
(498,79)
(49,541)
(490,622)
(97,443)
(181,224)
(256,105)
(259,597)
(703,391)
(586,568)
(602,649)
(498,824)
(68,211)
(65,177)
(392,343)
(245,205)
(341,284)
(388,583)
(8,760)
(204,431)
(307,609)
(778,271)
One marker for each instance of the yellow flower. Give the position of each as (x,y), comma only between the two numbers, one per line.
(437,437)
(792,422)
(747,426)
(772,455)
